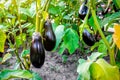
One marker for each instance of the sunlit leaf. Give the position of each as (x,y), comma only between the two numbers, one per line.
(45,15)
(101,70)
(84,65)
(59,32)
(6,57)
(18,41)
(83,70)
(9,74)
(116,35)
(2,40)
(94,56)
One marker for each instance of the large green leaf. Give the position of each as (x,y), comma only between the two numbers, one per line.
(109,19)
(101,70)
(83,70)
(71,40)
(84,65)
(9,74)
(2,40)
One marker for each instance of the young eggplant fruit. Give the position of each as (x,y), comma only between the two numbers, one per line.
(37,53)
(83,10)
(88,38)
(49,40)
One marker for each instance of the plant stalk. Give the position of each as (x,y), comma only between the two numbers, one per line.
(111,51)
(37,15)
(16,52)
(19,59)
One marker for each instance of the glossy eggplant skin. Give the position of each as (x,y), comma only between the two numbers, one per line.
(49,40)
(37,53)
(88,38)
(83,10)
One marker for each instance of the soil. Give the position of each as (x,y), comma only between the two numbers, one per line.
(54,68)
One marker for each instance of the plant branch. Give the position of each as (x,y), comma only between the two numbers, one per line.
(111,51)
(38,2)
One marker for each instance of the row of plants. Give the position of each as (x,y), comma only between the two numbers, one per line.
(57,25)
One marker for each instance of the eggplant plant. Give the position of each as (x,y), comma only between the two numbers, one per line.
(57,25)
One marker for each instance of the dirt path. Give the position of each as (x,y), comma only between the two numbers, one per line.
(54,68)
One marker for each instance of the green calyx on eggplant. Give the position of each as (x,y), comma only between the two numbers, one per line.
(49,40)
(88,38)
(83,10)
(37,53)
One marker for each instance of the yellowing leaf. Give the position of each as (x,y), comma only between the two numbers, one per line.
(116,35)
(2,40)
(101,70)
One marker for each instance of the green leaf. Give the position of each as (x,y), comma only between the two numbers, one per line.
(24,36)
(109,19)
(9,74)
(67,17)
(84,65)
(83,70)
(101,70)
(6,57)
(17,65)
(18,41)
(54,10)
(102,48)
(29,11)
(62,48)
(25,53)
(2,40)
(64,58)
(3,27)
(20,38)
(94,56)
(71,40)
(94,46)
(117,3)
(59,32)
(35,76)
